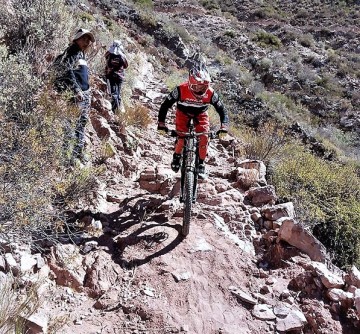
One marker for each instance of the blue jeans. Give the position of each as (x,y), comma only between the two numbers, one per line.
(115,91)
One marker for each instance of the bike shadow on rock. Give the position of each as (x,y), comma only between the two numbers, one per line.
(139,217)
(145,243)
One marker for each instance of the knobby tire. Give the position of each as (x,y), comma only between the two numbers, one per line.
(188,196)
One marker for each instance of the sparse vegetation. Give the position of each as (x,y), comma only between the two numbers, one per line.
(137,115)
(175,78)
(327,199)
(283,107)
(15,307)
(146,4)
(267,39)
(265,143)
(210,4)
(230,33)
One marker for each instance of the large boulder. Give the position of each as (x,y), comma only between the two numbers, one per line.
(278,211)
(296,235)
(262,195)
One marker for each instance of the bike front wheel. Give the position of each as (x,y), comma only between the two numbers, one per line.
(188,201)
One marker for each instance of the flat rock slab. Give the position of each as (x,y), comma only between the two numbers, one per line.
(242,295)
(263,312)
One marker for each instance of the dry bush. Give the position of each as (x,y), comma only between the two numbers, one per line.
(210,4)
(137,115)
(17,86)
(32,154)
(265,39)
(175,78)
(75,185)
(15,307)
(265,143)
(145,4)
(284,107)
(35,28)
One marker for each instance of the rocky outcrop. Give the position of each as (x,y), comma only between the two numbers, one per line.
(296,235)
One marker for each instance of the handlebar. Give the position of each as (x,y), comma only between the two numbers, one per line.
(174,133)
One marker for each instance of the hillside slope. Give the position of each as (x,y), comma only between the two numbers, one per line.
(247,266)
(136,274)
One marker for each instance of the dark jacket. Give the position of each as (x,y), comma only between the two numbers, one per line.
(115,65)
(71,70)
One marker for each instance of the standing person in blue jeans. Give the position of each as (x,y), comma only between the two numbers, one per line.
(72,74)
(116,63)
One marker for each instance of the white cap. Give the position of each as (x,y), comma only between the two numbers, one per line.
(81,32)
(116,48)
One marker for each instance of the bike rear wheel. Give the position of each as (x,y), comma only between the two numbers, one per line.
(188,201)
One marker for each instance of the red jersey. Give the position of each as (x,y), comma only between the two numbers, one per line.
(190,104)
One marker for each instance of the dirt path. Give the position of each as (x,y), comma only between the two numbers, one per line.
(191,282)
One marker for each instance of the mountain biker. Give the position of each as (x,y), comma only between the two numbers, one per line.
(116,62)
(193,99)
(72,74)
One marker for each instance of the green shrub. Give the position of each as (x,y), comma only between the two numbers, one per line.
(86,17)
(210,4)
(148,4)
(230,33)
(306,40)
(327,199)
(268,11)
(266,39)
(282,106)
(330,83)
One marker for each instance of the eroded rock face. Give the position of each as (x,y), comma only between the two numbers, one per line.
(353,277)
(357,301)
(257,165)
(345,299)
(329,279)
(262,195)
(319,317)
(294,234)
(278,211)
(66,263)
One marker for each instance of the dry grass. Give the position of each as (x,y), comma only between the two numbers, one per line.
(16,307)
(137,115)
(266,143)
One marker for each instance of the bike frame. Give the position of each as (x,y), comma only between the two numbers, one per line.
(189,171)
(190,156)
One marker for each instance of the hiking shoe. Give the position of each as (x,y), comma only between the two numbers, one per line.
(175,163)
(201,171)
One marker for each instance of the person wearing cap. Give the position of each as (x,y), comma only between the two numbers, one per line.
(72,74)
(116,63)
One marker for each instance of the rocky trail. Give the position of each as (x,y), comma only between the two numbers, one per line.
(132,272)
(247,266)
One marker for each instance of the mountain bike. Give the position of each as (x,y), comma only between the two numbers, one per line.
(189,170)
